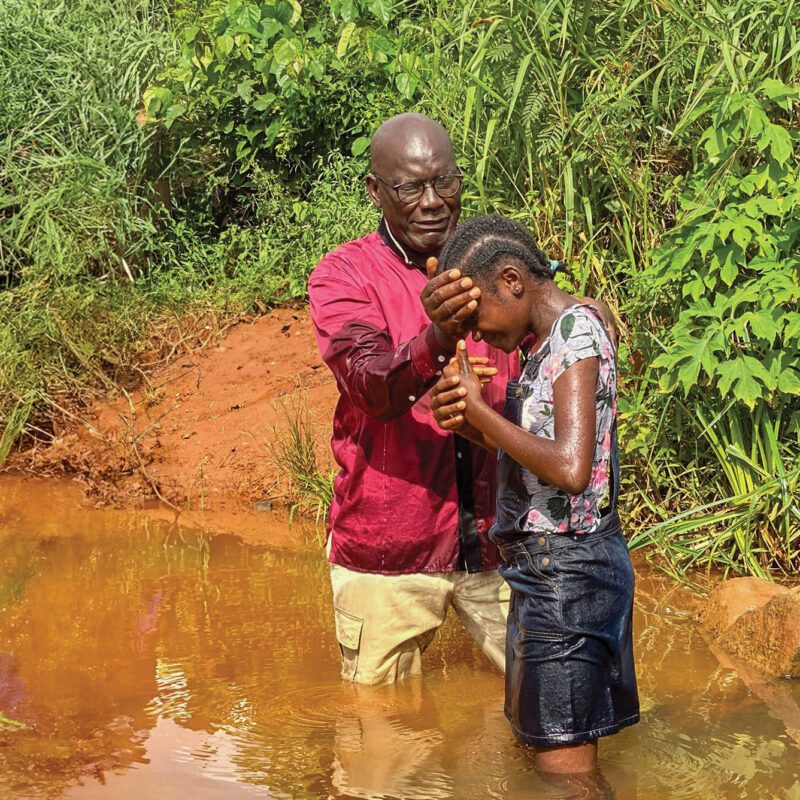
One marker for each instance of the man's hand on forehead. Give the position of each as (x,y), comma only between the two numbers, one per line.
(449,300)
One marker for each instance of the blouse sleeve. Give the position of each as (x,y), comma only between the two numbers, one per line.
(575,337)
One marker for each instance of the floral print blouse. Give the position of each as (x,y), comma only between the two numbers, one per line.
(576,334)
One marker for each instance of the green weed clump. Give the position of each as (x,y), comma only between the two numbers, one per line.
(309,488)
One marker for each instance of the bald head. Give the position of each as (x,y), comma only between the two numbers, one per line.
(408,137)
(414,150)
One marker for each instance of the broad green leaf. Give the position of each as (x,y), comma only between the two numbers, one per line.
(406,84)
(694,287)
(681,257)
(779,92)
(245,90)
(173,112)
(360,145)
(779,142)
(284,11)
(344,39)
(729,271)
(764,324)
(270,27)
(286,52)
(297,12)
(789,381)
(224,44)
(264,101)
(742,233)
(382,9)
(791,323)
(736,376)
(348,10)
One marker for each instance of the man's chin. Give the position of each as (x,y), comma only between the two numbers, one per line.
(428,244)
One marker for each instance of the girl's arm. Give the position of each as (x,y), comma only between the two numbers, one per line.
(565,461)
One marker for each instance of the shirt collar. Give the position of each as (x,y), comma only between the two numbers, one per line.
(391,242)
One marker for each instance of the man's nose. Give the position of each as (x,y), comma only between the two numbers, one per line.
(430,200)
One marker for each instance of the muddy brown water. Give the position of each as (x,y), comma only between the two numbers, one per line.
(150,660)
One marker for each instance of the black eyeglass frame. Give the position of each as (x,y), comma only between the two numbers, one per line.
(424,185)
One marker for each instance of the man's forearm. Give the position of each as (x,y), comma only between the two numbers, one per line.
(382,380)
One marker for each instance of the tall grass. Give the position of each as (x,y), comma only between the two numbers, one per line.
(738,505)
(104,228)
(73,191)
(583,118)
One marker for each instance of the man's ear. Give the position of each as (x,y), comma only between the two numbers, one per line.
(372,188)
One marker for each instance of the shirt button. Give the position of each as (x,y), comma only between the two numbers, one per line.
(459,455)
(412,398)
(442,359)
(438,372)
(545,561)
(541,540)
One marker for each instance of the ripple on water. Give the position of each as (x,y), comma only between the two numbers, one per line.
(381,747)
(666,760)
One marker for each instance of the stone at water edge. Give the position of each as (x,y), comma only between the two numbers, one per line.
(757,621)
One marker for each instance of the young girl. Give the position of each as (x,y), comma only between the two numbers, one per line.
(569,662)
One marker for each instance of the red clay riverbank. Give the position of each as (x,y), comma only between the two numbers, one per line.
(199,433)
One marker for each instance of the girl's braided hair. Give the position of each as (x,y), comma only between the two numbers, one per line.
(481,244)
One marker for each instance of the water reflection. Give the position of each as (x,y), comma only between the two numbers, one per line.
(149,661)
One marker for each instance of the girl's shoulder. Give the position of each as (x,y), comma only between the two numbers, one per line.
(581,327)
(579,334)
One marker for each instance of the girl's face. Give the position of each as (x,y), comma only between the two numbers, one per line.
(503,317)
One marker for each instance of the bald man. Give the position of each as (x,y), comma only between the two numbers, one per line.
(412,503)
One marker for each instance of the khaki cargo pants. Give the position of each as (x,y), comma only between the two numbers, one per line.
(384,623)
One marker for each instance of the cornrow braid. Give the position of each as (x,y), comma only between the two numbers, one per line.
(480,244)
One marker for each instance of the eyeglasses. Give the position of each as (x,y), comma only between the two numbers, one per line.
(408,192)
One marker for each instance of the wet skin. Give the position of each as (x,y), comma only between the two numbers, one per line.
(516,306)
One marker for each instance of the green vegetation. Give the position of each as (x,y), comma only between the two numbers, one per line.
(294,451)
(204,154)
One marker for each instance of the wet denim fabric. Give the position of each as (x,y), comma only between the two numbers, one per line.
(570,675)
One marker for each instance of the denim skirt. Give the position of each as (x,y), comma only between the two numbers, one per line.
(570,675)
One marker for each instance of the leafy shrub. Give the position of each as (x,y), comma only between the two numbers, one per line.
(74,192)
(274,84)
(267,259)
(734,257)
(726,280)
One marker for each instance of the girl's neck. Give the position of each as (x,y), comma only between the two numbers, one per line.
(550,303)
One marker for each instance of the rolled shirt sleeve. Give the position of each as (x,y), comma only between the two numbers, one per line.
(380,378)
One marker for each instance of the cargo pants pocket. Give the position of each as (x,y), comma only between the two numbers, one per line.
(348,634)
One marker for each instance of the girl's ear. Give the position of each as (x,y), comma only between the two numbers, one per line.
(511,279)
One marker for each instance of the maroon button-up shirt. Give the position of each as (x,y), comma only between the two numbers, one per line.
(409,497)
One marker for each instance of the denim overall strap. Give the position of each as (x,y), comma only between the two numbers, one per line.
(513,500)
(610,519)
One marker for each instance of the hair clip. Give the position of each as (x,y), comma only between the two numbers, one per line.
(554,265)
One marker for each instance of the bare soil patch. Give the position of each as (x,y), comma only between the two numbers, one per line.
(198,434)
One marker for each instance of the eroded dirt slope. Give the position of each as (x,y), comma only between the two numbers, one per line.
(199,433)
